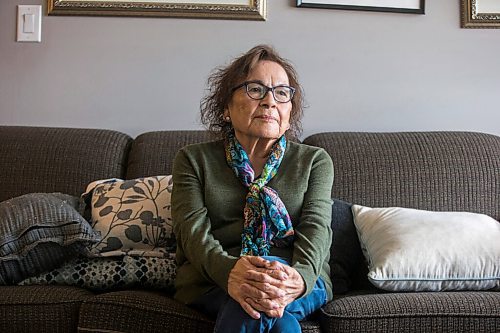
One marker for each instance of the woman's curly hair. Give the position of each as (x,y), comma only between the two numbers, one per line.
(223,79)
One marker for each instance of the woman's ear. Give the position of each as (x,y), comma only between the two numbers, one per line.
(226,116)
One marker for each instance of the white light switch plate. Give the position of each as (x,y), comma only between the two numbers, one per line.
(29,23)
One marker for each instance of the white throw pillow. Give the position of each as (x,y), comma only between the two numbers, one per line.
(417,250)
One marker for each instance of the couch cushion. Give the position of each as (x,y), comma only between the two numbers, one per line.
(44,159)
(439,171)
(140,311)
(413,312)
(40,309)
(152,153)
(147,311)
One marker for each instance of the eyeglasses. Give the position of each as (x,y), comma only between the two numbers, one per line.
(256,90)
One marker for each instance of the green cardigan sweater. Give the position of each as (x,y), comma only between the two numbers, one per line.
(207,214)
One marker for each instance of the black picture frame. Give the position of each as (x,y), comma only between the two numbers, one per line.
(361,5)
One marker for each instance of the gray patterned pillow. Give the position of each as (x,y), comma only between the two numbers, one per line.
(112,273)
(132,216)
(38,232)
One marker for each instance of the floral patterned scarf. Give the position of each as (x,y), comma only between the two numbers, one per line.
(267,222)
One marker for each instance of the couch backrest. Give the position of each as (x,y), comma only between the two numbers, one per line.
(153,153)
(43,159)
(455,171)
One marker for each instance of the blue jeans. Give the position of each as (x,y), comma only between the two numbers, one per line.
(232,318)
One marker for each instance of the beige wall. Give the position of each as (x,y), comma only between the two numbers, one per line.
(362,71)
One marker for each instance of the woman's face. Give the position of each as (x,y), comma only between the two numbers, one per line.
(262,119)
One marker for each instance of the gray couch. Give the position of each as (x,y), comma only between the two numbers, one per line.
(456,171)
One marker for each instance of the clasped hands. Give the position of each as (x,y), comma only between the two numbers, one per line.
(259,285)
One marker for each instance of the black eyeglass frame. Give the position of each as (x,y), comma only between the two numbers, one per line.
(268,89)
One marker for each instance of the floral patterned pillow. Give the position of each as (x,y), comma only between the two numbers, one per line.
(132,216)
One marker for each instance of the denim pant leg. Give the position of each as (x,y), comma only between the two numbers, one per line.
(232,318)
(300,308)
(305,306)
(211,302)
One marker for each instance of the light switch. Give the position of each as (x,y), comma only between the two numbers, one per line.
(29,23)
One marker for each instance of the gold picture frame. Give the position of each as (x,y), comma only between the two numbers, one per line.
(480,13)
(211,9)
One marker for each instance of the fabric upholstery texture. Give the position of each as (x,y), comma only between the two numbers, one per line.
(439,171)
(58,159)
(140,311)
(152,153)
(413,312)
(38,232)
(40,309)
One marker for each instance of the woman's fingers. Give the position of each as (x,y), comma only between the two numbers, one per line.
(252,312)
(235,280)
(257,261)
(260,262)
(256,283)
(267,275)
(262,305)
(276,265)
(261,290)
(270,308)
(264,282)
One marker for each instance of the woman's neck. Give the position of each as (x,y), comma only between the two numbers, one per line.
(257,149)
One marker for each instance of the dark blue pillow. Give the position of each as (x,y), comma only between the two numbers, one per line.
(38,232)
(346,256)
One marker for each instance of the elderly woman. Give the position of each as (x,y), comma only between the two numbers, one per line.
(251,212)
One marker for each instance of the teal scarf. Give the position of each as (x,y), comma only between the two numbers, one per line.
(267,222)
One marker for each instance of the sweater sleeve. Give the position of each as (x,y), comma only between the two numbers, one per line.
(192,226)
(313,235)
